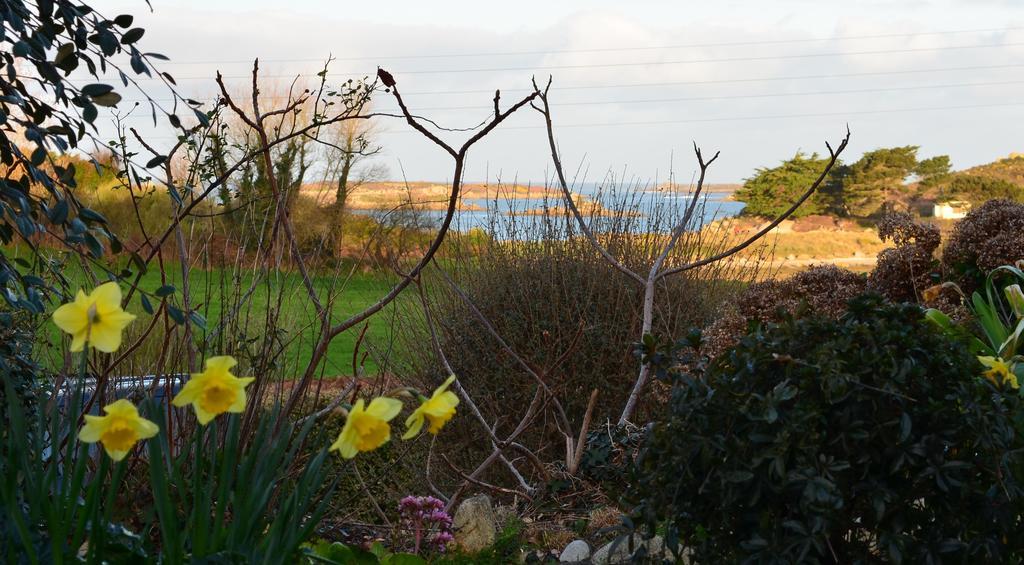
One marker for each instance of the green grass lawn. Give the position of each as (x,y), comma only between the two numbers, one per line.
(215,295)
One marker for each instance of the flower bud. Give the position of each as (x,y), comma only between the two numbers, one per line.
(1016,299)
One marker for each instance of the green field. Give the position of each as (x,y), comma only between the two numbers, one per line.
(215,294)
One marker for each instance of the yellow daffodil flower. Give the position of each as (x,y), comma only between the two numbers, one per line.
(215,390)
(999,371)
(367,427)
(436,410)
(95,318)
(119,430)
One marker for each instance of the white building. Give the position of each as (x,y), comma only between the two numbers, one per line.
(952,210)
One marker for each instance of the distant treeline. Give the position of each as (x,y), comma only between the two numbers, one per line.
(883,179)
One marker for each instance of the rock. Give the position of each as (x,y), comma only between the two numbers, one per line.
(474,524)
(617,551)
(577,551)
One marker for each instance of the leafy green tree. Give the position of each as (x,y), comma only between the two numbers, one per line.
(933,167)
(867,184)
(771,191)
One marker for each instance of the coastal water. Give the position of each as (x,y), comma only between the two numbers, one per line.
(633,211)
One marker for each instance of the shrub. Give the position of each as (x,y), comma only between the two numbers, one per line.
(822,289)
(904,271)
(990,236)
(865,439)
(563,308)
(979,189)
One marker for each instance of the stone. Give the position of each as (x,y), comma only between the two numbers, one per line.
(617,551)
(577,551)
(474,524)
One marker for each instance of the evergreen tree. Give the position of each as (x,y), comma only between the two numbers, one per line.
(867,184)
(771,191)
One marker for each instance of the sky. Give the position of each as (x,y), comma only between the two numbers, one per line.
(635,83)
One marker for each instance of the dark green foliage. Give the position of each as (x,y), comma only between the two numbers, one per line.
(869,439)
(978,189)
(16,365)
(771,191)
(867,183)
(231,502)
(933,167)
(44,115)
(609,456)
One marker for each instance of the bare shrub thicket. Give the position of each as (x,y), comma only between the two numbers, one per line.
(562,307)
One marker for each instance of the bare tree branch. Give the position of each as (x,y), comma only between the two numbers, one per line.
(545,110)
(686,224)
(459,158)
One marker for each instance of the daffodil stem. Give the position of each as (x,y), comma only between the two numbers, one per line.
(199,493)
(74,468)
(96,517)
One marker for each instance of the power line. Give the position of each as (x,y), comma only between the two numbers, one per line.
(740,80)
(635,64)
(736,118)
(743,96)
(607,49)
(728,97)
(784,116)
(701,82)
(717,60)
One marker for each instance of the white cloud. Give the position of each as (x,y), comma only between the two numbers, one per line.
(231,30)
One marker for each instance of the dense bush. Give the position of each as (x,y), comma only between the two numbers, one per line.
(821,290)
(978,189)
(906,269)
(990,236)
(564,309)
(861,440)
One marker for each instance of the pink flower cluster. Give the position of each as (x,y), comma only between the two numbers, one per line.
(426,518)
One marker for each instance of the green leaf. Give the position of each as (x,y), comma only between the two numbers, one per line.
(89,113)
(164,291)
(124,20)
(176,314)
(96,89)
(91,216)
(132,35)
(38,156)
(202,117)
(989,320)
(146,304)
(197,319)
(107,100)
(939,318)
